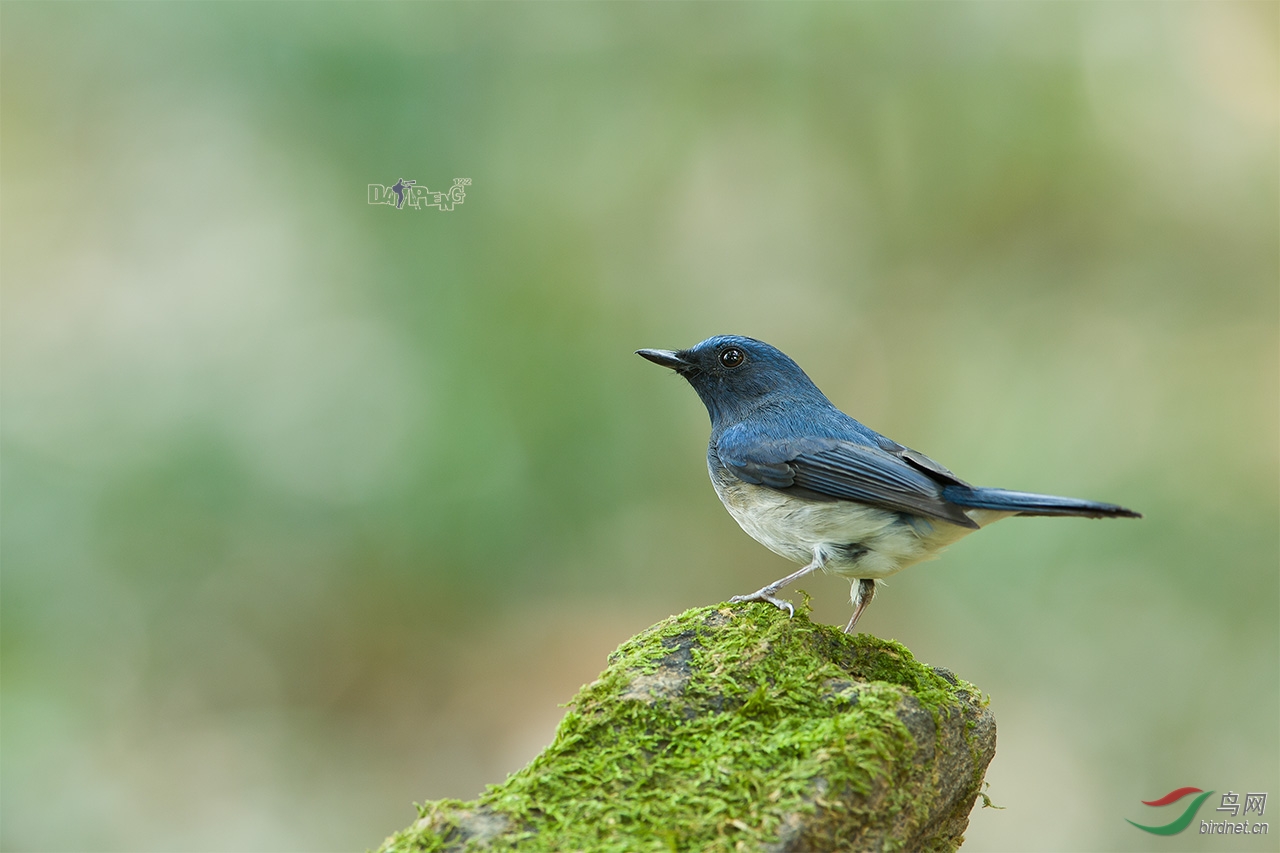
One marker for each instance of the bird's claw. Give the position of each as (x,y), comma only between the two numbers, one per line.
(766,594)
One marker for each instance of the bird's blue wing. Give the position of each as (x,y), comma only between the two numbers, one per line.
(839,469)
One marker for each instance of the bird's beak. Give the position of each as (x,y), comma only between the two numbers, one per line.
(664,357)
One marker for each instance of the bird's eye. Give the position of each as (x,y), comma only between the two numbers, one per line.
(732,357)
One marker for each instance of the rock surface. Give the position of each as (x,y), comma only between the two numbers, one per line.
(735,728)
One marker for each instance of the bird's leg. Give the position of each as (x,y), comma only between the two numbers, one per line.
(767,593)
(863,591)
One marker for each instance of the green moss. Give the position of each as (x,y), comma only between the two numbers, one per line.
(711,730)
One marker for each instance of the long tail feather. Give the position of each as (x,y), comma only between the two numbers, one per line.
(1027,503)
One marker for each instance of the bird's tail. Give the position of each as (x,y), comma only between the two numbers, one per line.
(1027,503)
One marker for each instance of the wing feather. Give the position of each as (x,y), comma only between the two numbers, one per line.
(838,469)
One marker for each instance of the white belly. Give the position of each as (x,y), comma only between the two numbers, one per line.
(884,542)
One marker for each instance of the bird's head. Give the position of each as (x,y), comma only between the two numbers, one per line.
(736,375)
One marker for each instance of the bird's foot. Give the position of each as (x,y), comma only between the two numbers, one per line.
(863,591)
(767,594)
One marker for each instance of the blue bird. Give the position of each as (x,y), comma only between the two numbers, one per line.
(816,486)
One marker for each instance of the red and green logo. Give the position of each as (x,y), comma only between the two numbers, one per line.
(1184,820)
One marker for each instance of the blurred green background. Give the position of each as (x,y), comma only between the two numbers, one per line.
(313,508)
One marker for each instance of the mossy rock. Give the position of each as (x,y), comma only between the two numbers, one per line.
(736,728)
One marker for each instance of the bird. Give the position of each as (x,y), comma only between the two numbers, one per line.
(821,489)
